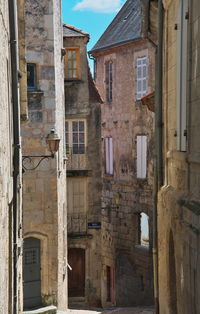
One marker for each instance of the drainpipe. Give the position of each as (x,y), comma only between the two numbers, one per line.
(158,165)
(16,140)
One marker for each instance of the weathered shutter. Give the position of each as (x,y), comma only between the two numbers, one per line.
(144,76)
(110,80)
(106,145)
(141,156)
(110,155)
(142,68)
(139,78)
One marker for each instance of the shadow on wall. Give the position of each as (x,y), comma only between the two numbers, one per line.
(130,287)
(172,276)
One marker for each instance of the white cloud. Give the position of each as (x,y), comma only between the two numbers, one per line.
(100,6)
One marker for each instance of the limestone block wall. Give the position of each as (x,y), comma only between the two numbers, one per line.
(45,188)
(7,247)
(178,203)
(124,196)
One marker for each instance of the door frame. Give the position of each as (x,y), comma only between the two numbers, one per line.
(84,247)
(44,254)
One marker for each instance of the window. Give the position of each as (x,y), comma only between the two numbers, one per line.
(143,229)
(31,76)
(76,191)
(109,155)
(141,156)
(109,80)
(72,64)
(142,73)
(182,76)
(75,136)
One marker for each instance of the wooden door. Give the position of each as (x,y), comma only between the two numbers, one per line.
(31,273)
(76,276)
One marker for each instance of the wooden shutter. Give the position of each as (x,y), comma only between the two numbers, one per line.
(141,156)
(142,84)
(107,154)
(110,155)
(108,79)
(182,76)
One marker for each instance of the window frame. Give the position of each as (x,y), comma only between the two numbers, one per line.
(109,160)
(109,80)
(77,68)
(140,80)
(34,87)
(69,135)
(140,233)
(141,156)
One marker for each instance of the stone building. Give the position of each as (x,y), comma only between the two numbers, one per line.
(44,187)
(124,74)
(83,148)
(179,194)
(10,157)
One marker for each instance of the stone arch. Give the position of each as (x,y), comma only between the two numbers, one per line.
(172,276)
(44,259)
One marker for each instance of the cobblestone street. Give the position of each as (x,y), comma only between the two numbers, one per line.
(131,310)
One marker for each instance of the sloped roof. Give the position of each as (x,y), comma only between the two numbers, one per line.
(72,31)
(125,27)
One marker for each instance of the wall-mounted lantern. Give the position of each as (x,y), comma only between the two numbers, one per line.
(53,141)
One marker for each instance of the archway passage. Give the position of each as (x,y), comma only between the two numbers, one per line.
(76,276)
(31,273)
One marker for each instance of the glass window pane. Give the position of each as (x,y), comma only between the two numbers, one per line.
(81,149)
(73,54)
(81,126)
(70,54)
(31,75)
(75,137)
(75,125)
(144,86)
(74,64)
(70,64)
(74,75)
(81,137)
(139,86)
(144,71)
(69,73)
(75,148)
(139,72)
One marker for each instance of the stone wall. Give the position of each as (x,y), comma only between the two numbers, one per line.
(178,204)
(124,196)
(9,293)
(44,189)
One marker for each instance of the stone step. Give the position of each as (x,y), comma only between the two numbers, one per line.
(44,310)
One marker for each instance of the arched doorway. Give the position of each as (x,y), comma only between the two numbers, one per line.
(76,276)
(31,273)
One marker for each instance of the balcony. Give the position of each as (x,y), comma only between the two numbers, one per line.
(77,158)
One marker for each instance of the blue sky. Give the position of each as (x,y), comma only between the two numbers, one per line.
(92,16)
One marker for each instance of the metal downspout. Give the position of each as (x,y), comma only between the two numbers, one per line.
(16,139)
(158,165)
